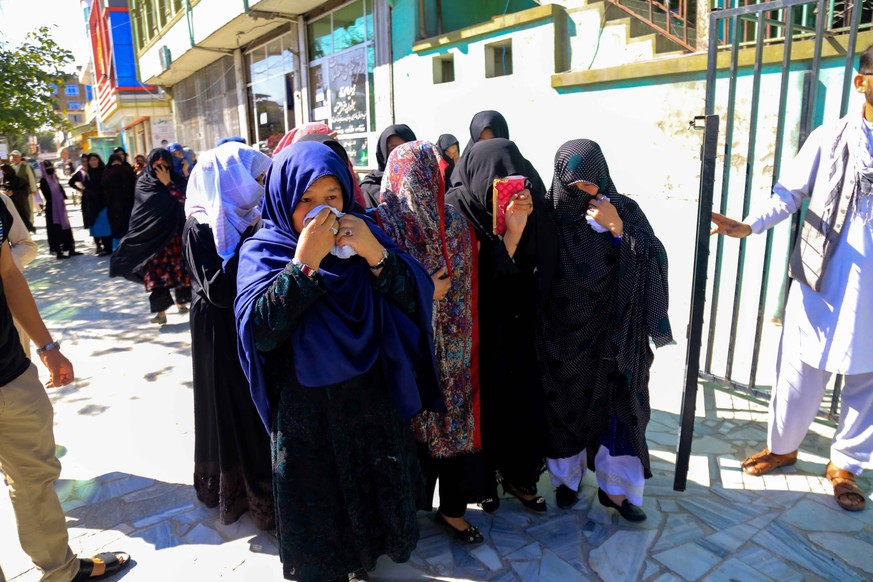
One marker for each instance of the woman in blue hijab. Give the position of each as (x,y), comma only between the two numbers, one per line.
(337,343)
(182,162)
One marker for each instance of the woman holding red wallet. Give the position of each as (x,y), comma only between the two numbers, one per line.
(513,275)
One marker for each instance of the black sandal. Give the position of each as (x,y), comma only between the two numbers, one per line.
(536,505)
(114,562)
(470,535)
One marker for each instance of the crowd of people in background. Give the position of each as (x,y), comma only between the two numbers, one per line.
(451,318)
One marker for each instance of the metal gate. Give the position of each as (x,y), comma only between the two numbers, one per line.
(744,41)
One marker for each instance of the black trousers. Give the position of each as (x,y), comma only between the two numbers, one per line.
(460,480)
(160,300)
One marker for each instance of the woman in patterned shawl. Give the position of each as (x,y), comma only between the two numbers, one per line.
(413,213)
(608,297)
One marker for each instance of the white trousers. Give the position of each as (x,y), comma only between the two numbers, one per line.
(794,404)
(622,475)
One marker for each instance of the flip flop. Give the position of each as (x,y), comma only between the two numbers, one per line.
(114,561)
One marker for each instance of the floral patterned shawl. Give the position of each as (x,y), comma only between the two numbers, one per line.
(413,213)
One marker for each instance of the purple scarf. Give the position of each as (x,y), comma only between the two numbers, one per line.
(59,207)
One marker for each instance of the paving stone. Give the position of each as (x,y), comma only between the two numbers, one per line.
(768,564)
(532,551)
(506,538)
(203,535)
(680,529)
(621,557)
(554,569)
(727,541)
(526,569)
(734,570)
(813,517)
(786,541)
(717,514)
(690,561)
(847,548)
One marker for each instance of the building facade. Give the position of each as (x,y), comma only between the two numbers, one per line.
(258,69)
(128,113)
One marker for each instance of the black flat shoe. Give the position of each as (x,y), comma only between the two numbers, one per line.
(470,535)
(566,497)
(536,505)
(61,256)
(75,254)
(490,505)
(627,510)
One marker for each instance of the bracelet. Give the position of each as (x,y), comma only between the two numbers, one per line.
(49,346)
(381,263)
(307,271)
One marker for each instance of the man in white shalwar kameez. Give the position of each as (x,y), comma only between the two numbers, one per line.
(828,326)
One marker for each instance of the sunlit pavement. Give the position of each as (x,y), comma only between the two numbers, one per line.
(125,437)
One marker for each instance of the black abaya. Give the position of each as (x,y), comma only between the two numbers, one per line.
(232,467)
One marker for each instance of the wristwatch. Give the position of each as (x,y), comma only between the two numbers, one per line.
(307,271)
(49,346)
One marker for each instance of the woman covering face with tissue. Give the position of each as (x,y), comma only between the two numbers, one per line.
(608,297)
(339,355)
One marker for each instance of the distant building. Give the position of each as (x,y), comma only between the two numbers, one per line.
(128,113)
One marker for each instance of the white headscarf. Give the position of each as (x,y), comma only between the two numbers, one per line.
(223,192)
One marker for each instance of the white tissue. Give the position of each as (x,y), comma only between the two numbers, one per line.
(593,223)
(340,252)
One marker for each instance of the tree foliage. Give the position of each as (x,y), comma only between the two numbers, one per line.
(28,74)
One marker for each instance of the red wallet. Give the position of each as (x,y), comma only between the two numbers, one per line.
(504,188)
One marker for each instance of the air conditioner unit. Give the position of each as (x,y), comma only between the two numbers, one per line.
(166,58)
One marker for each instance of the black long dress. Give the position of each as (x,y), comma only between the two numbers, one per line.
(513,430)
(232,468)
(59,239)
(119,184)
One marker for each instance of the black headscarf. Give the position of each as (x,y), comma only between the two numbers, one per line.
(371,185)
(119,183)
(483,120)
(444,142)
(156,218)
(608,297)
(477,170)
(93,197)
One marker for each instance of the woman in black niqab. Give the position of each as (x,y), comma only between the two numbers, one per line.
(609,296)
(151,251)
(372,182)
(443,144)
(510,287)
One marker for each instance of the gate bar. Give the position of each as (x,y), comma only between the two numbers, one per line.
(850,55)
(709,151)
(747,194)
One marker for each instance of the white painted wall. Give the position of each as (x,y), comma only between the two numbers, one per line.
(642,127)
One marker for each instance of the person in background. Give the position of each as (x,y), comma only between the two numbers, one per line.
(151,251)
(25,188)
(224,140)
(24,250)
(191,156)
(513,271)
(448,146)
(94,206)
(414,214)
(337,147)
(121,152)
(119,185)
(484,125)
(27,444)
(182,164)
(57,220)
(139,163)
(79,179)
(392,137)
(298,133)
(232,469)
(338,351)
(608,298)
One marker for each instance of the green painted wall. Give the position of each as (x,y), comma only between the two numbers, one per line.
(456,14)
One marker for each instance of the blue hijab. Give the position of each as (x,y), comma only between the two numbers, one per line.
(177,162)
(352,326)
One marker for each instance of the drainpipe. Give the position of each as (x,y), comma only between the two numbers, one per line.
(246,6)
(190,18)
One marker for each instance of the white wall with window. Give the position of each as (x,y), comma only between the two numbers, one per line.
(341,46)
(271,68)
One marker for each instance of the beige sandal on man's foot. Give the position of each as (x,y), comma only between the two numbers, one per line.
(765,461)
(847,494)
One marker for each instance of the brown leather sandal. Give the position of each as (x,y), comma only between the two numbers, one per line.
(765,461)
(847,494)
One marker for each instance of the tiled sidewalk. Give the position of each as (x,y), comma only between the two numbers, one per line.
(125,438)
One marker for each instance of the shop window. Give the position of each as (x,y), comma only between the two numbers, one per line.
(498,59)
(271,91)
(349,28)
(320,38)
(444,68)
